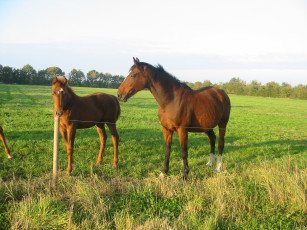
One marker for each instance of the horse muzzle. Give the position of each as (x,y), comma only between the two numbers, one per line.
(122,97)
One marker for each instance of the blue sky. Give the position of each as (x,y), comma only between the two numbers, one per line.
(264,40)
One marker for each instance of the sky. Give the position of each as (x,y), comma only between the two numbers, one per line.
(195,40)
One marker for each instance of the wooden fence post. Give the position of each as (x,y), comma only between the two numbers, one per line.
(56,150)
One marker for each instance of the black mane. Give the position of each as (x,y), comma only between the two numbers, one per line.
(166,79)
(165,76)
(70,90)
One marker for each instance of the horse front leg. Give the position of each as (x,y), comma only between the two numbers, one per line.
(168,138)
(69,138)
(6,147)
(103,138)
(115,140)
(183,138)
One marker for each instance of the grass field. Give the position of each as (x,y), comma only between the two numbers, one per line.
(262,185)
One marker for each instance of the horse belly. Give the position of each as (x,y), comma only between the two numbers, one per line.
(85,118)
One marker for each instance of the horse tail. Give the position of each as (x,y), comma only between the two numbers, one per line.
(226,108)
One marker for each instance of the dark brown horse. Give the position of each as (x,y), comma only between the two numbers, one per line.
(84,112)
(6,147)
(181,109)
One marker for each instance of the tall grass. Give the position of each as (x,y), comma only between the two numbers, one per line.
(262,186)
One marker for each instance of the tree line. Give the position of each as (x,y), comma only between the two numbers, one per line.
(255,88)
(28,75)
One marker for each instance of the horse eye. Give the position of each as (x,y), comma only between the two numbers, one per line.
(134,75)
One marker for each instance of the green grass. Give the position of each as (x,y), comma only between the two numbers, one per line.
(262,185)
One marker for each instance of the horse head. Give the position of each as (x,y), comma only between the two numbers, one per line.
(136,81)
(59,93)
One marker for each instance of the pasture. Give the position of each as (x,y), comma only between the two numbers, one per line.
(262,185)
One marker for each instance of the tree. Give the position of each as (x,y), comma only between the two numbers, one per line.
(18,77)
(253,88)
(29,74)
(235,86)
(102,80)
(207,83)
(285,90)
(108,79)
(272,89)
(41,80)
(116,80)
(7,74)
(52,72)
(76,77)
(92,77)
(300,92)
(1,73)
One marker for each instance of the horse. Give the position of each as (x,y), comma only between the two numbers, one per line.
(181,109)
(6,147)
(84,112)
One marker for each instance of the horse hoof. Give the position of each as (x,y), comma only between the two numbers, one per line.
(209,164)
(218,170)
(184,178)
(10,157)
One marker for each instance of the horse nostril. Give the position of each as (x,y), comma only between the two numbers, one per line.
(119,95)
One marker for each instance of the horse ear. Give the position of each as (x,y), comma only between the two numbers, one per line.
(65,81)
(136,61)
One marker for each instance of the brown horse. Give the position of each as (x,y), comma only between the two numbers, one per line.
(84,112)
(6,147)
(181,109)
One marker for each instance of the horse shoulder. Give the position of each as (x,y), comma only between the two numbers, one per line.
(178,112)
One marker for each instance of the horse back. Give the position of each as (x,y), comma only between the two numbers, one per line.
(98,107)
(107,102)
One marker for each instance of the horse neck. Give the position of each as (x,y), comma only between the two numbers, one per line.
(164,94)
(70,98)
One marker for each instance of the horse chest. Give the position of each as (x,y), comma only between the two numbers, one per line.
(173,116)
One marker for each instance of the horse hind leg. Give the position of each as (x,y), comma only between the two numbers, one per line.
(115,140)
(103,138)
(168,138)
(6,147)
(183,138)
(222,131)
(212,138)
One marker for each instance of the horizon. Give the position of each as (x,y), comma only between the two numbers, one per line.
(184,81)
